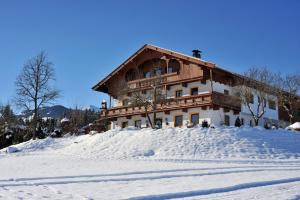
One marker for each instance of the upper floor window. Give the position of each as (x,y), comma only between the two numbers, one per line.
(158,71)
(272,104)
(130,75)
(178,93)
(194,91)
(250,98)
(264,101)
(174,66)
(147,74)
(125,102)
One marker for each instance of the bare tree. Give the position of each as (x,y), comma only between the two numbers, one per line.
(255,84)
(148,99)
(33,88)
(288,88)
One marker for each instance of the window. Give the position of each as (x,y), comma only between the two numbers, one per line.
(226,92)
(272,104)
(138,123)
(251,98)
(174,66)
(194,91)
(147,74)
(178,120)
(264,101)
(158,123)
(195,118)
(178,93)
(170,69)
(125,102)
(227,120)
(124,124)
(158,71)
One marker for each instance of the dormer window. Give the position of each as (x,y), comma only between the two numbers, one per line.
(147,74)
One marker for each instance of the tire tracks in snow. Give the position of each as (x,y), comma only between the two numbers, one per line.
(78,179)
(232,188)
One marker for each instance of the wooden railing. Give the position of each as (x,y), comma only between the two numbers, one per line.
(167,105)
(228,101)
(147,82)
(205,99)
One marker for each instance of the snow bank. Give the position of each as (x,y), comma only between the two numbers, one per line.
(175,143)
(295,126)
(12,149)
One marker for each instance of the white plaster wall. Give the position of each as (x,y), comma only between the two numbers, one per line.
(269,113)
(219,87)
(202,88)
(211,116)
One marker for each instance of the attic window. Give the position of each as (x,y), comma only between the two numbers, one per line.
(130,75)
(174,66)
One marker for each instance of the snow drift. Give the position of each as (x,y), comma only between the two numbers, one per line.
(175,143)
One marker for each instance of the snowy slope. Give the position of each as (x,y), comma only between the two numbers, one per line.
(175,143)
(221,163)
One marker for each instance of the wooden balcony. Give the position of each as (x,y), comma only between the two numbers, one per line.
(200,100)
(226,101)
(147,82)
(168,105)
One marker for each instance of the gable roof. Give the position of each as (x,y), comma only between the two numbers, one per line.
(155,48)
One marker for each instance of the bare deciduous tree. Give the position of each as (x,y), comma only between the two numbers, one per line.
(288,88)
(255,84)
(33,88)
(148,99)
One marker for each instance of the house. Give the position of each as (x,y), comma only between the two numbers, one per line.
(196,90)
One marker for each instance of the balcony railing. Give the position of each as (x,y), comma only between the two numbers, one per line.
(169,104)
(205,99)
(228,101)
(147,82)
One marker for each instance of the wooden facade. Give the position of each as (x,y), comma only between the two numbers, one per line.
(150,63)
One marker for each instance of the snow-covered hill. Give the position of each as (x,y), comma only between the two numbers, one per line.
(197,163)
(176,143)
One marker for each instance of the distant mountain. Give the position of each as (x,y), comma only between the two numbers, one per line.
(55,112)
(92,108)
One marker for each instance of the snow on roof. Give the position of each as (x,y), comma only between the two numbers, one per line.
(64,120)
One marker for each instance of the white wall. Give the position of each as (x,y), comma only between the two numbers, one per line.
(202,88)
(211,116)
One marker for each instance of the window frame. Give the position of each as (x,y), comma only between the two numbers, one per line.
(135,123)
(175,124)
(271,104)
(124,122)
(191,115)
(176,93)
(193,89)
(226,124)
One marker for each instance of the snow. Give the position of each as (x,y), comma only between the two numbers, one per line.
(12,149)
(64,120)
(173,163)
(295,126)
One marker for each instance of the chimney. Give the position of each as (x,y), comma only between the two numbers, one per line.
(197,53)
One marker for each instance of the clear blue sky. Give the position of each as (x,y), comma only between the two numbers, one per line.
(87,39)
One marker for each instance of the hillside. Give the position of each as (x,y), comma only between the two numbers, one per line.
(197,163)
(175,143)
